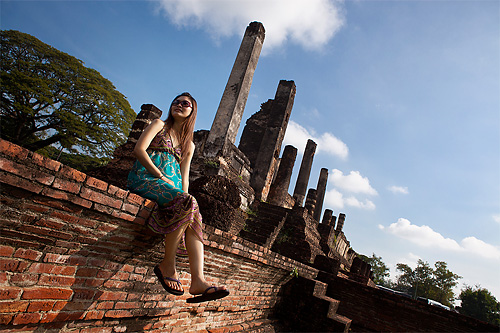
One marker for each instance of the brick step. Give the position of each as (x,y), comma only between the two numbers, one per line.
(253,237)
(318,311)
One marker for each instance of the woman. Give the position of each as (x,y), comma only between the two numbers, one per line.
(161,173)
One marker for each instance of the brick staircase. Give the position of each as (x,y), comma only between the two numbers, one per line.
(265,227)
(306,308)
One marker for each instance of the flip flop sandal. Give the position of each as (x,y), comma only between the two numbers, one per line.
(164,285)
(206,296)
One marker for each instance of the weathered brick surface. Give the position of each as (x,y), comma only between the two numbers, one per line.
(75,256)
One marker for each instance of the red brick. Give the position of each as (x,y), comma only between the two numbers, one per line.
(128,305)
(3,278)
(100,198)
(26,318)
(82,202)
(118,314)
(86,272)
(28,254)
(12,265)
(56,194)
(47,293)
(46,162)
(72,174)
(20,182)
(26,172)
(13,306)
(130,208)
(123,216)
(118,192)
(67,185)
(50,223)
(114,284)
(60,281)
(134,198)
(83,294)
(37,306)
(113,296)
(42,268)
(105,305)
(8,148)
(5,319)
(97,183)
(24,280)
(6,251)
(46,232)
(93,315)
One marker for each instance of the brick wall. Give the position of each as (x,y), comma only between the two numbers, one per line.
(75,255)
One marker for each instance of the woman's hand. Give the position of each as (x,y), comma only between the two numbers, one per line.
(168,181)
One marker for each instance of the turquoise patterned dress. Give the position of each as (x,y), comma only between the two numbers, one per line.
(174,208)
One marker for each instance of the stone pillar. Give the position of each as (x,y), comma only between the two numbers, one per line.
(333,221)
(279,189)
(304,173)
(327,217)
(321,189)
(227,120)
(340,223)
(311,200)
(148,113)
(267,157)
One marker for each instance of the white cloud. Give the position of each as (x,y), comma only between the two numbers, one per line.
(297,136)
(310,24)
(335,200)
(398,189)
(496,218)
(424,236)
(353,182)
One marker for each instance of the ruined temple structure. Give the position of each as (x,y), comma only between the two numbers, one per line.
(75,255)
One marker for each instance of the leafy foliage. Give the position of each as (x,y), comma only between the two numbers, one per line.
(379,269)
(424,281)
(479,303)
(51,98)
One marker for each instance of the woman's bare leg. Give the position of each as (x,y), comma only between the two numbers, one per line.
(168,264)
(194,247)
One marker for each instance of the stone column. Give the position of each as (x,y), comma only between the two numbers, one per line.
(279,189)
(227,120)
(311,200)
(321,189)
(267,157)
(148,113)
(304,173)
(340,222)
(327,217)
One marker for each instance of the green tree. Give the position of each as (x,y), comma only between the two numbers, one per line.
(424,281)
(50,98)
(479,303)
(379,269)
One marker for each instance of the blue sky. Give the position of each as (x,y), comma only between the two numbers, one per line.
(402,98)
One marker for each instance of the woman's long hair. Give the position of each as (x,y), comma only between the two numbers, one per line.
(187,129)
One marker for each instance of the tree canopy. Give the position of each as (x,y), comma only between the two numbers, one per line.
(50,98)
(424,281)
(379,269)
(479,303)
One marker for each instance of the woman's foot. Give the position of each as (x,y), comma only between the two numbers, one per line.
(200,287)
(209,293)
(169,280)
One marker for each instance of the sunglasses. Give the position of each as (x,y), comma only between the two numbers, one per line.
(184,103)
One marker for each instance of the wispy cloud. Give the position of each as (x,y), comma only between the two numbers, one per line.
(297,136)
(398,189)
(425,236)
(310,24)
(496,218)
